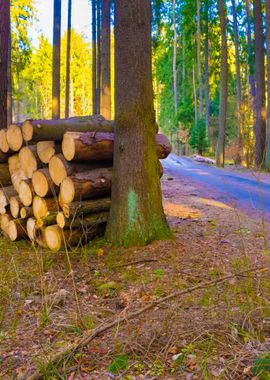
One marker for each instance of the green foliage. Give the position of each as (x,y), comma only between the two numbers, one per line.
(119,364)
(261,367)
(198,139)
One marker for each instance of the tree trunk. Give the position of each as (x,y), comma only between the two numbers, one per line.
(260,127)
(175,60)
(199,59)
(68,59)
(267,152)
(106,59)
(4,43)
(223,86)
(136,215)
(207,101)
(9,85)
(238,159)
(43,130)
(98,55)
(56,60)
(195,96)
(91,146)
(86,185)
(94,57)
(251,61)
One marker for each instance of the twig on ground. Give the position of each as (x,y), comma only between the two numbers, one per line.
(135,263)
(69,351)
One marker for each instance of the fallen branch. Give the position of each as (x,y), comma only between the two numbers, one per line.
(135,263)
(69,351)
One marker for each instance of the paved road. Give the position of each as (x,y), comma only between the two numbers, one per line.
(245,191)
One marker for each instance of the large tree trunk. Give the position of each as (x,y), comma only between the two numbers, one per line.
(238,159)
(9,85)
(56,60)
(106,59)
(267,152)
(207,101)
(137,215)
(43,130)
(4,43)
(94,57)
(251,61)
(174,60)
(260,127)
(68,59)
(223,86)
(199,59)
(98,55)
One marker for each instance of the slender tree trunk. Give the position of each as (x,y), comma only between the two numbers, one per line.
(136,215)
(56,60)
(260,127)
(68,59)
(106,59)
(223,86)
(238,159)
(174,59)
(267,153)
(94,57)
(251,62)
(9,90)
(4,43)
(199,59)
(184,66)
(207,101)
(98,55)
(195,96)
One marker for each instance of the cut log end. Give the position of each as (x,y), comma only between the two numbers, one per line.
(25,193)
(15,231)
(53,238)
(61,219)
(28,161)
(27,130)
(4,147)
(67,191)
(40,209)
(40,183)
(14,205)
(5,219)
(68,147)
(30,228)
(46,150)
(14,137)
(57,170)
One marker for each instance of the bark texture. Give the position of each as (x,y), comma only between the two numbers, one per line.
(260,126)
(56,60)
(137,215)
(68,58)
(4,44)
(223,86)
(267,152)
(106,59)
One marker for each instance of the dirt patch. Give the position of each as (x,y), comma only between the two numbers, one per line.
(49,301)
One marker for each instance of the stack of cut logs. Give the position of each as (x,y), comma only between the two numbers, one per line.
(55,178)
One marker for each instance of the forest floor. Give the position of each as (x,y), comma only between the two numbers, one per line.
(219,331)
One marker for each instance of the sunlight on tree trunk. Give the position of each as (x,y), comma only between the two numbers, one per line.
(106,59)
(56,60)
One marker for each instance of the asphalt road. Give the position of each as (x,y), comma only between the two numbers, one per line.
(249,192)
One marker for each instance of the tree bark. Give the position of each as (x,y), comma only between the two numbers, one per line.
(238,159)
(91,206)
(86,185)
(91,146)
(68,59)
(136,215)
(260,127)
(195,96)
(251,61)
(175,60)
(94,56)
(223,86)
(5,179)
(9,85)
(199,59)
(267,152)
(56,60)
(98,55)
(106,59)
(4,43)
(42,130)
(207,100)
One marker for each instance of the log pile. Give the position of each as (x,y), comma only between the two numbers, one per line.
(55,179)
